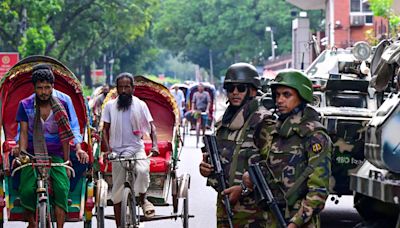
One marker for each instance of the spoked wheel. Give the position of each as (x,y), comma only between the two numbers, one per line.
(198,126)
(128,209)
(175,198)
(100,216)
(183,133)
(185,212)
(42,215)
(184,194)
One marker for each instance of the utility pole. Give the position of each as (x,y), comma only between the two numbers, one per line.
(211,66)
(269,29)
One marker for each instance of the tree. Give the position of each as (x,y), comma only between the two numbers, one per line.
(77,33)
(234,31)
(383,8)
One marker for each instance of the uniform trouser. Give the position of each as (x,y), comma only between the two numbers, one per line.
(142,180)
(59,183)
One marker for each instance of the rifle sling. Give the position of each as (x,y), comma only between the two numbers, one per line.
(239,141)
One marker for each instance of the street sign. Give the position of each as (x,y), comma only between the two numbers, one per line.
(98,76)
(7,60)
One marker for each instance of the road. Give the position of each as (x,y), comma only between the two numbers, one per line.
(202,199)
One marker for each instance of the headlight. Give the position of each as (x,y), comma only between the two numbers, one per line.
(361,50)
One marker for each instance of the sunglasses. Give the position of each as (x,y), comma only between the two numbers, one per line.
(240,88)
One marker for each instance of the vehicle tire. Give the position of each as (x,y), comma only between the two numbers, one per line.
(100,216)
(185,212)
(42,215)
(128,209)
(375,212)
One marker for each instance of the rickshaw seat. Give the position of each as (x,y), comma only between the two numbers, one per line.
(160,163)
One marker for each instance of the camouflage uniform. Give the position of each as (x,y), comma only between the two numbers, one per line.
(229,136)
(300,141)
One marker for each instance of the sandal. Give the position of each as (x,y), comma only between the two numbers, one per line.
(148,209)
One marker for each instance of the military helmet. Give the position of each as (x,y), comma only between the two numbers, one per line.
(296,80)
(242,73)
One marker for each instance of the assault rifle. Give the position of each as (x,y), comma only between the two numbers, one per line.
(210,143)
(266,199)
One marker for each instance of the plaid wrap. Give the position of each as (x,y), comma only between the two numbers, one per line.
(64,129)
(61,117)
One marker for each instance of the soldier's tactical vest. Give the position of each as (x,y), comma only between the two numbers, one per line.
(236,143)
(237,150)
(285,144)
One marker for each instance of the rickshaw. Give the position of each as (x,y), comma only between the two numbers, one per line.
(163,167)
(189,120)
(15,86)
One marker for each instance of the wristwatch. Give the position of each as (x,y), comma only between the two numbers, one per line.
(245,191)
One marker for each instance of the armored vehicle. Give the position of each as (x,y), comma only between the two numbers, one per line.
(376,182)
(346,103)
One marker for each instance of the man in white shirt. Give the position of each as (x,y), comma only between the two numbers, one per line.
(126,120)
(180,99)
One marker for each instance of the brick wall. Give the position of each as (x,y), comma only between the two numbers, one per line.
(346,35)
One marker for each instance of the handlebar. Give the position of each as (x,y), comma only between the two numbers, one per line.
(64,164)
(113,157)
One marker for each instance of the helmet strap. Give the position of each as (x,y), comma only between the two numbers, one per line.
(299,108)
(247,97)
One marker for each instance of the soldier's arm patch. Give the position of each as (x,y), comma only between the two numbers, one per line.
(318,142)
(316,148)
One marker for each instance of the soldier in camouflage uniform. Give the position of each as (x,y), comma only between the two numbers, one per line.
(236,144)
(297,152)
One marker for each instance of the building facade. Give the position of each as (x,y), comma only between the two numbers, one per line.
(347,21)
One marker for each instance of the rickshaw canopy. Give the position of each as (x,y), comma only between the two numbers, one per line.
(17,85)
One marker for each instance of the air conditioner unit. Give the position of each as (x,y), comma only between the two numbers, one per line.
(357,20)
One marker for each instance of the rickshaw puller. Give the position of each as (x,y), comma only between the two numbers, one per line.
(44,130)
(126,120)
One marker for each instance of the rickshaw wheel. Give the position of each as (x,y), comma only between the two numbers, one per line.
(42,215)
(185,181)
(87,224)
(175,199)
(128,209)
(100,216)
(185,212)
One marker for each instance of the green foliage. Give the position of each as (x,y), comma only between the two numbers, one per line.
(77,33)
(35,41)
(384,9)
(233,30)
(381,7)
(87,91)
(25,21)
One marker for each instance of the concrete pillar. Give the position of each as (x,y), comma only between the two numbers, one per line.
(301,50)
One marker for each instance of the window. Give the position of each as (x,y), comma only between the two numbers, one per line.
(355,6)
(365,6)
(359,6)
(347,100)
(369,19)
